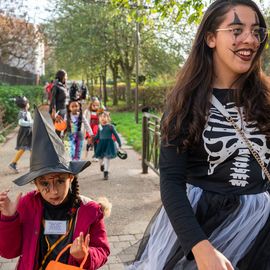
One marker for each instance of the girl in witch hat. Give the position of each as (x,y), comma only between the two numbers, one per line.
(24,138)
(40,224)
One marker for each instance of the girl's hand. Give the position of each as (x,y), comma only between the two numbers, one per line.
(90,140)
(207,257)
(7,207)
(80,247)
(58,118)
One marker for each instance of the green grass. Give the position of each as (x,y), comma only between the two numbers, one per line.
(126,125)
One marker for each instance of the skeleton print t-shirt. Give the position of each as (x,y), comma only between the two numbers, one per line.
(222,161)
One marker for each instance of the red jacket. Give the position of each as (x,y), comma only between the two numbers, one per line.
(19,235)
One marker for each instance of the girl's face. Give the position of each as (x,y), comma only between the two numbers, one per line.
(235,43)
(54,187)
(74,107)
(103,119)
(95,106)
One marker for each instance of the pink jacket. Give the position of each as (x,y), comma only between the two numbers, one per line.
(19,235)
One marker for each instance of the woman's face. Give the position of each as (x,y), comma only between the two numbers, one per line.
(54,187)
(74,107)
(235,42)
(65,78)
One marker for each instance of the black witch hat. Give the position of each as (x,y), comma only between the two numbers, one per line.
(48,153)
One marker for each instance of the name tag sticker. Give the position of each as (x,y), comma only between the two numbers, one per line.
(55,227)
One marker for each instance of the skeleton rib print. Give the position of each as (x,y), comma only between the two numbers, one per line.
(222,142)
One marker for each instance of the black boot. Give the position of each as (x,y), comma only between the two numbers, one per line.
(106,175)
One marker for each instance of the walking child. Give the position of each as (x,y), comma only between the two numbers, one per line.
(106,147)
(37,226)
(91,115)
(74,121)
(24,137)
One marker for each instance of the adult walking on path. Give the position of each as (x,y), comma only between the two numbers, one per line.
(83,92)
(59,96)
(134,197)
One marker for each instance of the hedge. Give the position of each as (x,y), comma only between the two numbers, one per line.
(8,108)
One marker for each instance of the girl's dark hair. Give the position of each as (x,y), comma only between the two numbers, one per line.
(76,201)
(60,75)
(21,102)
(75,188)
(68,116)
(188,103)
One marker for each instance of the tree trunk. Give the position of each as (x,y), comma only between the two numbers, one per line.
(100,86)
(115,94)
(92,88)
(128,89)
(88,85)
(114,68)
(104,79)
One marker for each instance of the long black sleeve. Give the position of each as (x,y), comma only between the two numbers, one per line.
(58,101)
(174,198)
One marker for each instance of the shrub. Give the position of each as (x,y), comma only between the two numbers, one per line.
(9,110)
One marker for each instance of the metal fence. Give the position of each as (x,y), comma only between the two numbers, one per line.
(151,142)
(14,76)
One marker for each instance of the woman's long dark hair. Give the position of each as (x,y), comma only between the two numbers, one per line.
(188,103)
(68,116)
(60,75)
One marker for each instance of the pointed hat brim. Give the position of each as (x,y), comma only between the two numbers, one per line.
(48,152)
(74,168)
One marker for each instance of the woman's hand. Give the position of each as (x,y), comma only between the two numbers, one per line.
(7,207)
(53,114)
(80,247)
(207,257)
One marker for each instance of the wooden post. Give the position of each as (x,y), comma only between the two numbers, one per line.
(144,142)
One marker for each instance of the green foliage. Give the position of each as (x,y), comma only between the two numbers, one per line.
(125,124)
(121,107)
(175,10)
(153,96)
(9,110)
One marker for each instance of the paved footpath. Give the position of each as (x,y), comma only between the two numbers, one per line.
(134,196)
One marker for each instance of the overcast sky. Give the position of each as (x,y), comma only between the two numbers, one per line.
(37,9)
